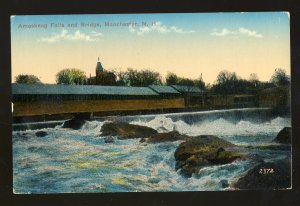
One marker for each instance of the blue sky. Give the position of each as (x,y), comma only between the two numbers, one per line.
(186,44)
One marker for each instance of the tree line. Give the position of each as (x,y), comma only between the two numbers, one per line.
(226,82)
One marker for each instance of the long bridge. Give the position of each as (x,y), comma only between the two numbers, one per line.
(50,100)
(34,100)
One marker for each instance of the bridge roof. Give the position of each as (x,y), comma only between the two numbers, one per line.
(164,89)
(187,89)
(80,89)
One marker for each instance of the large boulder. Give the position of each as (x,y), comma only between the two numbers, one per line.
(286,147)
(109,139)
(126,131)
(165,137)
(271,175)
(41,134)
(202,151)
(284,136)
(21,135)
(75,123)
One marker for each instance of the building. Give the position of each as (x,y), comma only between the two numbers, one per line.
(35,100)
(232,101)
(99,68)
(99,71)
(193,95)
(165,91)
(275,97)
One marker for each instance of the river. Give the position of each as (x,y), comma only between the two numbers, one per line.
(75,161)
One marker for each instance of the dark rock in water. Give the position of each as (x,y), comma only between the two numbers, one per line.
(154,180)
(271,175)
(21,135)
(274,147)
(162,129)
(75,123)
(201,151)
(24,135)
(41,134)
(109,139)
(284,136)
(126,130)
(165,137)
(224,183)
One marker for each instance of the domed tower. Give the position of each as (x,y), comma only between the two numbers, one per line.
(99,68)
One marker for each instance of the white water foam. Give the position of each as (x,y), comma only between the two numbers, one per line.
(80,161)
(164,124)
(219,127)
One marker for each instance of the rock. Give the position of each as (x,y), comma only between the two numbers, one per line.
(162,130)
(165,137)
(126,130)
(274,147)
(224,183)
(202,151)
(284,136)
(109,139)
(154,180)
(20,135)
(75,123)
(271,175)
(41,134)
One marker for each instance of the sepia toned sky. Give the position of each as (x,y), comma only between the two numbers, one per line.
(186,44)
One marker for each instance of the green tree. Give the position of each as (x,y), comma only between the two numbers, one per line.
(71,76)
(227,83)
(27,79)
(149,77)
(121,78)
(280,77)
(226,77)
(253,78)
(186,82)
(199,83)
(141,78)
(172,79)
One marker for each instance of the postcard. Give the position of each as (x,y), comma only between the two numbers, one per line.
(162,102)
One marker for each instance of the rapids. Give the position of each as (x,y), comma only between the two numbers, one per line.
(68,161)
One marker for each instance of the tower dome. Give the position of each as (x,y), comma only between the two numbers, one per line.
(99,68)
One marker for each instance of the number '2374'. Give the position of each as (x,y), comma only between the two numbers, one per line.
(265,171)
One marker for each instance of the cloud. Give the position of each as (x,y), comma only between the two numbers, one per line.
(143,30)
(181,31)
(224,32)
(250,33)
(131,29)
(97,34)
(239,32)
(158,27)
(76,36)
